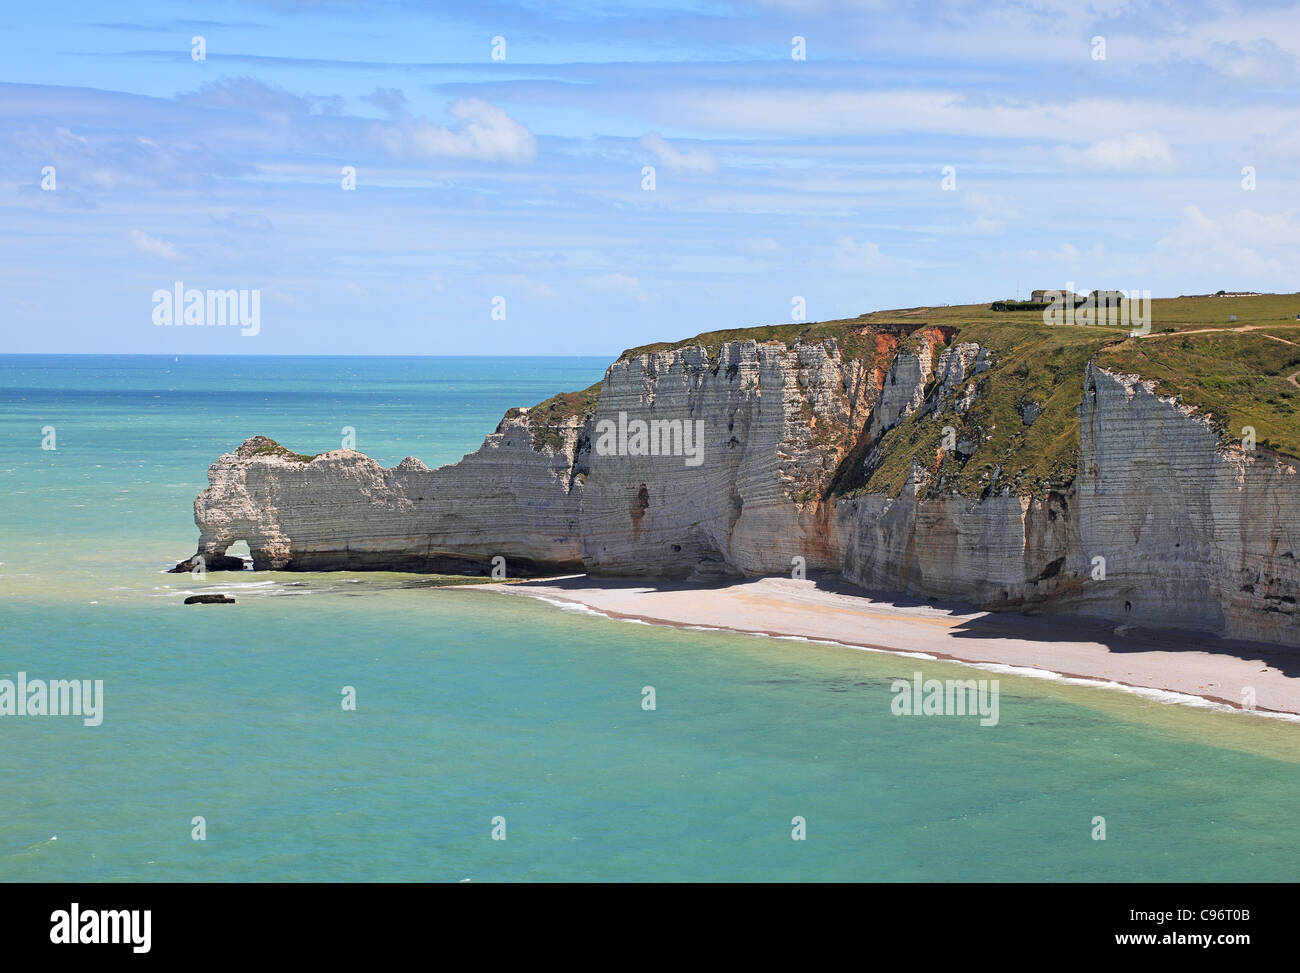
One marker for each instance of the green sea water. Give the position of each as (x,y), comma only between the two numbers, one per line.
(474,706)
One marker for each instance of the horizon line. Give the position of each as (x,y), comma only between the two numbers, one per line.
(173,355)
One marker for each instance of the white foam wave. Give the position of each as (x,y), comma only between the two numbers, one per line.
(572,607)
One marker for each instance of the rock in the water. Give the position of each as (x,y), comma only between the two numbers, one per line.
(209,600)
(214,562)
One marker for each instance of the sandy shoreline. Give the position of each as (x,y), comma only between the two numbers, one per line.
(1213,669)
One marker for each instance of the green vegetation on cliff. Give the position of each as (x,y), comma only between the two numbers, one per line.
(1235,358)
(1034,368)
(1239,378)
(265,446)
(549,418)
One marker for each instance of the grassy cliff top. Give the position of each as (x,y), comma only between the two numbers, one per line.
(266,446)
(548,418)
(1177,313)
(1238,378)
(565,405)
(1031,364)
(1239,371)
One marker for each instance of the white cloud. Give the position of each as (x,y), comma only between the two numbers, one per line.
(521,284)
(618,283)
(1068,255)
(990,204)
(1259,61)
(249,94)
(1134,151)
(486,134)
(991,211)
(950,114)
(1230,247)
(688,160)
(850,255)
(153,246)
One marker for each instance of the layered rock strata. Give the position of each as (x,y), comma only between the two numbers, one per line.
(342,510)
(738,473)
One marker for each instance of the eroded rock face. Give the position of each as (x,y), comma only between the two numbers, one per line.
(776,422)
(342,510)
(999,552)
(904,388)
(1161,528)
(1192,535)
(956,365)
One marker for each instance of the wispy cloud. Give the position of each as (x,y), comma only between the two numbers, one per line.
(687,160)
(1133,151)
(523,178)
(153,246)
(484,133)
(853,256)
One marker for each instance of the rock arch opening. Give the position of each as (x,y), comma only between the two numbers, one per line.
(236,557)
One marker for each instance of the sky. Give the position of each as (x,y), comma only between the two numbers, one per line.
(577,178)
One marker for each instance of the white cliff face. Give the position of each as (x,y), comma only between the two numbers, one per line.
(775,424)
(956,365)
(1189,534)
(1193,535)
(999,552)
(343,510)
(904,388)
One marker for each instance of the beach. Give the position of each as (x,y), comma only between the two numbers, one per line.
(1192,665)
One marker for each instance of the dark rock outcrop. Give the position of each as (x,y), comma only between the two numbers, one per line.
(213,562)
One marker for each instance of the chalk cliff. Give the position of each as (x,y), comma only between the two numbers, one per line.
(342,510)
(1193,533)
(796,437)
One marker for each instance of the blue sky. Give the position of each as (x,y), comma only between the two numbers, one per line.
(522,178)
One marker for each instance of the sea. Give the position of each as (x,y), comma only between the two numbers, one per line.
(498,738)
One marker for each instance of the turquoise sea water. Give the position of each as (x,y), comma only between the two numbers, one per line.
(474,705)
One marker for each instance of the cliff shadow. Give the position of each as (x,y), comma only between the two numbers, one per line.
(983,623)
(1070,628)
